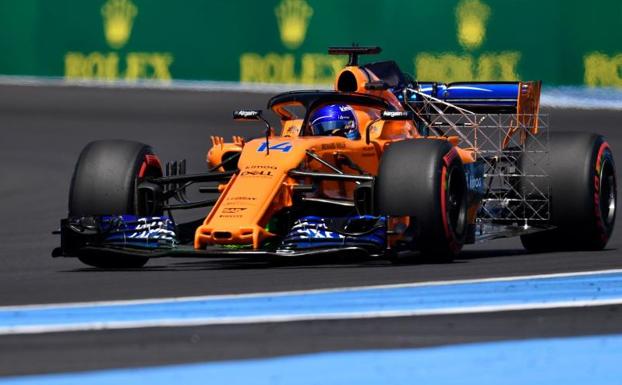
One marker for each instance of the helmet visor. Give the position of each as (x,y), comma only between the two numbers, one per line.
(326,128)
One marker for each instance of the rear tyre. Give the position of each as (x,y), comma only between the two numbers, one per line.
(104,183)
(583,194)
(425,180)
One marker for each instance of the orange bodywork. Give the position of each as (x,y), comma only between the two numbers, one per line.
(528,109)
(262,186)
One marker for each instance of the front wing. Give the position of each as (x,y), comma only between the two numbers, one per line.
(127,236)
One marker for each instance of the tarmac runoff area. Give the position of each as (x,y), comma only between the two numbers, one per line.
(496,307)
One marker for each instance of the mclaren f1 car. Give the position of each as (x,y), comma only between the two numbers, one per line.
(380,165)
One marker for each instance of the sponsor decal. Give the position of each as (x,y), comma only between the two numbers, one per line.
(261,167)
(332,146)
(258,170)
(151,234)
(345,109)
(246,114)
(319,234)
(233,210)
(152,228)
(375,130)
(311,231)
(293,19)
(603,70)
(475,177)
(264,173)
(308,68)
(304,230)
(238,200)
(292,130)
(475,183)
(471,18)
(145,232)
(242,198)
(283,147)
(396,115)
(118,22)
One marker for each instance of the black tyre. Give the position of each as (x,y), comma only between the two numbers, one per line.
(582,193)
(104,183)
(425,180)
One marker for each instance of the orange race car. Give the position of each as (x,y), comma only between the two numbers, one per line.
(380,165)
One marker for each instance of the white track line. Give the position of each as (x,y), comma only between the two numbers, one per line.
(301,292)
(92,326)
(174,85)
(573,97)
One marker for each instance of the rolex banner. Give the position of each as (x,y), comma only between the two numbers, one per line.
(285,41)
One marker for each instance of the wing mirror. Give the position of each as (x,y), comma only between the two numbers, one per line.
(254,115)
(390,116)
(247,115)
(397,115)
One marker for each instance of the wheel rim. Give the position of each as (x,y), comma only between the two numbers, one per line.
(607,193)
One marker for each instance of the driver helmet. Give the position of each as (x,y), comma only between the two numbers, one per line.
(335,120)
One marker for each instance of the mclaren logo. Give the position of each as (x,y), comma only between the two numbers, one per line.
(293,19)
(118,21)
(472,16)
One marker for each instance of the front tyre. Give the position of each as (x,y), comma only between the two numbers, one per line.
(105,182)
(425,180)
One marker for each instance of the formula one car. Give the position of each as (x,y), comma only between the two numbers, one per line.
(380,165)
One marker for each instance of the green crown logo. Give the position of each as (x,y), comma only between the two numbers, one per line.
(118,21)
(472,16)
(293,19)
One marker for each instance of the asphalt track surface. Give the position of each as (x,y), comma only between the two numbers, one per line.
(42,132)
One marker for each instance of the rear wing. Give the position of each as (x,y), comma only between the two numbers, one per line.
(519,99)
(486,97)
